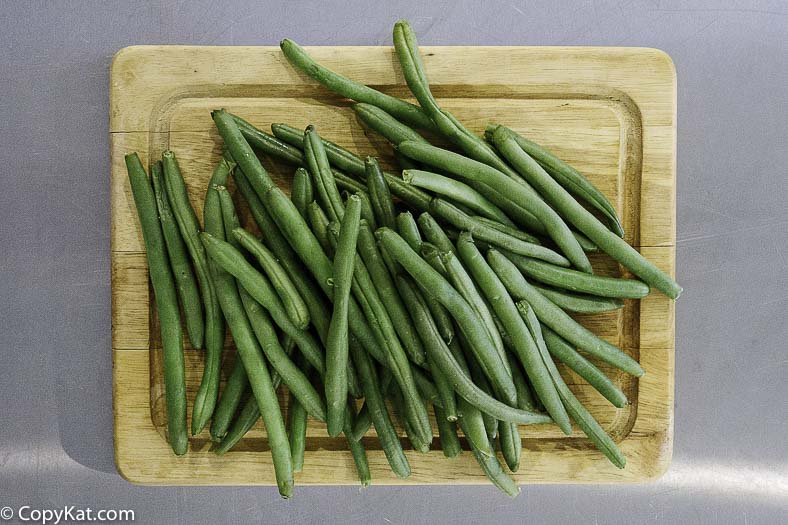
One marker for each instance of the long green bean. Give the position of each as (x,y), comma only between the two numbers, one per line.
(564,352)
(568,177)
(322,176)
(406,111)
(525,398)
(552,316)
(472,420)
(447,432)
(337,342)
(583,304)
(568,279)
(379,194)
(228,402)
(166,303)
(523,344)
(338,156)
(297,423)
(581,218)
(383,123)
(513,232)
(578,412)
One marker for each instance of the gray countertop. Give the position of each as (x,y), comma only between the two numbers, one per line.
(731,453)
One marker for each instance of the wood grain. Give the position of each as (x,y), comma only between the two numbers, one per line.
(608,111)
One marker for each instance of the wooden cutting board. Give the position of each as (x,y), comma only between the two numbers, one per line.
(611,112)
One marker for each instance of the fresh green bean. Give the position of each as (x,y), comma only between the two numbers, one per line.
(413,69)
(568,177)
(293,303)
(420,443)
(367,213)
(404,162)
(581,416)
(389,441)
(526,197)
(384,124)
(348,88)
(409,230)
(302,191)
(381,278)
(478,377)
(229,400)
(338,156)
(364,419)
(293,377)
(185,280)
(434,233)
(285,216)
(394,355)
(430,335)
(584,304)
(318,222)
(464,284)
(581,218)
(322,176)
(250,352)
(511,444)
(447,431)
(337,342)
(525,398)
(472,420)
(166,303)
(494,472)
(268,144)
(296,425)
(523,344)
(246,419)
(349,184)
(379,194)
(585,242)
(467,319)
(580,282)
(356,448)
(557,319)
(456,191)
(564,352)
(513,232)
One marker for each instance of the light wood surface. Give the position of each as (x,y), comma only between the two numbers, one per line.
(611,112)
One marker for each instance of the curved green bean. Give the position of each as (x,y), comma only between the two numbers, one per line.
(457,191)
(406,111)
(568,177)
(526,197)
(523,344)
(337,341)
(552,316)
(229,400)
(579,303)
(568,279)
(379,194)
(166,303)
(293,302)
(581,218)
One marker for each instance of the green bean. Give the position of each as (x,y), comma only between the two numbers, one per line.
(229,400)
(587,423)
(394,355)
(291,225)
(420,443)
(409,230)
(447,431)
(466,317)
(384,124)
(185,280)
(293,303)
(564,352)
(322,176)
(356,448)
(410,60)
(584,304)
(364,419)
(318,222)
(348,88)
(585,242)
(349,184)
(523,344)
(389,441)
(581,218)
(557,319)
(525,398)
(367,213)
(337,343)
(470,169)
(166,303)
(367,248)
(268,144)
(246,419)
(293,377)
(511,444)
(478,377)
(302,191)
(379,194)
(494,472)
(513,232)
(404,162)
(456,191)
(472,420)
(296,425)
(250,352)
(580,282)
(464,284)
(430,335)
(434,233)
(568,177)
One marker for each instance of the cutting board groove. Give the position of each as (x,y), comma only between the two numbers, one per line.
(608,111)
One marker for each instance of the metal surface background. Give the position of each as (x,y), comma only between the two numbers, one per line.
(731,452)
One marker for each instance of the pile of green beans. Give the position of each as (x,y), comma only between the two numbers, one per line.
(376,297)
